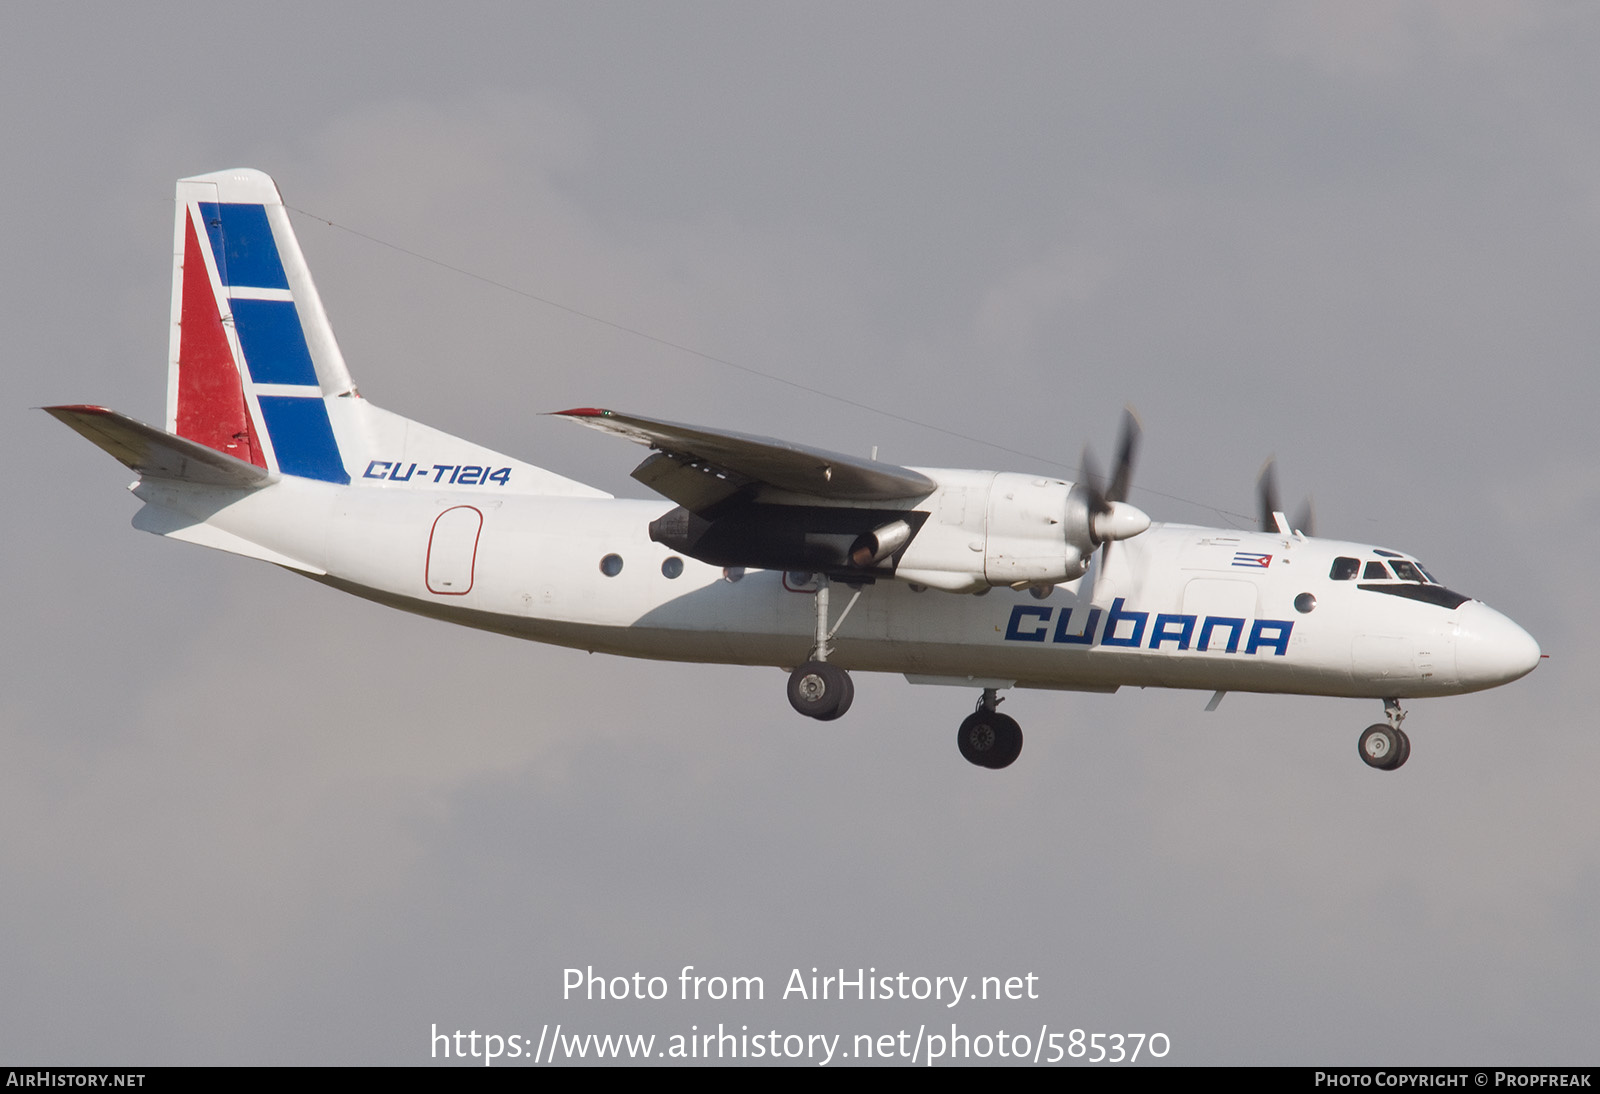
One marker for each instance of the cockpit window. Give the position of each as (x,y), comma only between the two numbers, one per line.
(1405,571)
(1344,569)
(1431,579)
(1375,572)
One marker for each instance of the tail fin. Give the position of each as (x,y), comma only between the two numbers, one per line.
(252,357)
(254,373)
(254,370)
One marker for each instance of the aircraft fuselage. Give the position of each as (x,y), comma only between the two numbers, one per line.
(1179,606)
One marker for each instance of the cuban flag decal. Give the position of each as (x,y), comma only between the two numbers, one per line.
(1251,560)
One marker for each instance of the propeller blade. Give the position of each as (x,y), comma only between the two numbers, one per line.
(1305,520)
(1127,450)
(1094,482)
(1267,495)
(1110,515)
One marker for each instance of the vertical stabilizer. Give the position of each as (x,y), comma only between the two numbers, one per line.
(254,370)
(252,356)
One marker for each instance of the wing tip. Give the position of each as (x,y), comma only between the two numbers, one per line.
(75,408)
(582,412)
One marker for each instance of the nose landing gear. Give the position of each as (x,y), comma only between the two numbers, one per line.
(1385,745)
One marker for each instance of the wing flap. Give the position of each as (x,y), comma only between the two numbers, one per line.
(693,484)
(700,455)
(155,453)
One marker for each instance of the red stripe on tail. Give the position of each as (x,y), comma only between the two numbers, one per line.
(211,407)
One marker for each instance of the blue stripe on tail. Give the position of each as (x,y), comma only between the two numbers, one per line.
(303,438)
(241,240)
(272,341)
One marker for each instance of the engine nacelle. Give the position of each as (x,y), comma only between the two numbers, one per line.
(979,529)
(1014,530)
(1038,531)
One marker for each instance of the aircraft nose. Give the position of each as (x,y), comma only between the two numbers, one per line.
(1491,649)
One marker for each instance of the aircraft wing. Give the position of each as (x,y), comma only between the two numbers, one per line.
(697,467)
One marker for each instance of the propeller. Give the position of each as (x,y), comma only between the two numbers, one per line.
(1267,493)
(1306,519)
(1110,515)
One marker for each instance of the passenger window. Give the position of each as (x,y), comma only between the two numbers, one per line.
(1344,569)
(1405,571)
(1375,572)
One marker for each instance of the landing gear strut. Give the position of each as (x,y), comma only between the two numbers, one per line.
(1385,745)
(988,738)
(817,689)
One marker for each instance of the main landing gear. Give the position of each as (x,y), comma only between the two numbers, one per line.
(822,690)
(1385,745)
(987,737)
(817,689)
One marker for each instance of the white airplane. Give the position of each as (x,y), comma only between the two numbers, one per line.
(981,579)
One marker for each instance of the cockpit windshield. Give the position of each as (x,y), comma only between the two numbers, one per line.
(1396,577)
(1405,571)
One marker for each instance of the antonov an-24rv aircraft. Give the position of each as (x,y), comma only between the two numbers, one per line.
(769,553)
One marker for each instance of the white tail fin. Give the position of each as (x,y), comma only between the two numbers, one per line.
(254,369)
(252,355)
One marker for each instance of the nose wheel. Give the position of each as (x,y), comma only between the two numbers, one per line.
(1385,745)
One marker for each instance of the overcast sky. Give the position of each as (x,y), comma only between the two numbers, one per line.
(246,819)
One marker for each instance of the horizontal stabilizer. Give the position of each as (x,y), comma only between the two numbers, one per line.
(784,466)
(157,454)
